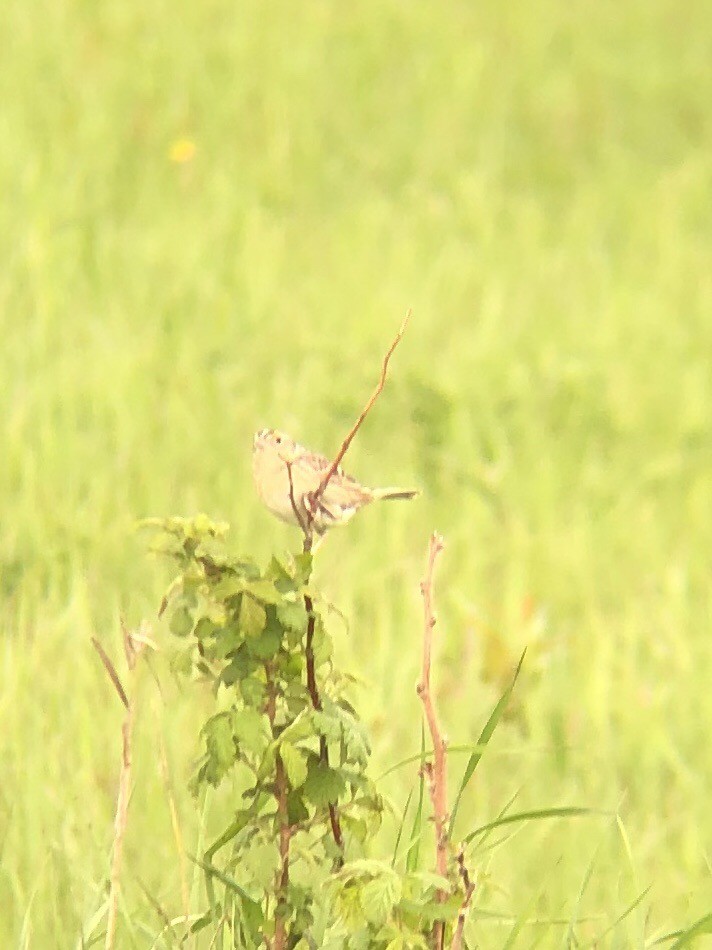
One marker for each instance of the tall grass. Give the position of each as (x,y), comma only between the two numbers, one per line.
(534,180)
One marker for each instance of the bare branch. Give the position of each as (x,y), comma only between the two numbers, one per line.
(435,771)
(281,789)
(313,690)
(328,475)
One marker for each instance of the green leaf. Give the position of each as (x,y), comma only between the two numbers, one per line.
(240,666)
(323,785)
(267,643)
(220,747)
(251,729)
(428,911)
(264,591)
(205,628)
(379,896)
(295,764)
(261,861)
(253,617)
(428,879)
(252,690)
(327,723)
(282,578)
(227,587)
(296,809)
(292,615)
(181,622)
(484,738)
(322,645)
(182,661)
(202,922)
(302,727)
(303,564)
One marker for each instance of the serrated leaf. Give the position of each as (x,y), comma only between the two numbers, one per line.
(253,617)
(295,764)
(261,861)
(220,747)
(300,728)
(251,729)
(323,785)
(428,879)
(292,615)
(379,896)
(263,590)
(327,725)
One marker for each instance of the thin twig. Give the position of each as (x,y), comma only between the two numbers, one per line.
(435,771)
(316,495)
(134,644)
(469,886)
(313,690)
(306,528)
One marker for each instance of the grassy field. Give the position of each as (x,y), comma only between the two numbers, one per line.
(213,218)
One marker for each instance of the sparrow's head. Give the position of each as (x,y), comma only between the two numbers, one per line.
(271,439)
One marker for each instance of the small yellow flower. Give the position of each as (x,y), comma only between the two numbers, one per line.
(182,151)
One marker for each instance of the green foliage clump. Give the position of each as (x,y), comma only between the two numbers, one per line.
(293,867)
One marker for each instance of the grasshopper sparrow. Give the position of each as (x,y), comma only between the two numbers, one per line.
(274,454)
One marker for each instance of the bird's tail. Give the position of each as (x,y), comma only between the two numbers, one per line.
(394,494)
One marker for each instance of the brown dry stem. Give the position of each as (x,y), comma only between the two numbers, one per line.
(328,475)
(281,789)
(435,770)
(134,644)
(469,888)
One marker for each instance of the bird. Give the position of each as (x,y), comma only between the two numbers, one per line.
(284,471)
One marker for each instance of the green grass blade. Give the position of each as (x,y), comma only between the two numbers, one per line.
(400,828)
(596,942)
(570,935)
(534,815)
(482,742)
(685,938)
(413,854)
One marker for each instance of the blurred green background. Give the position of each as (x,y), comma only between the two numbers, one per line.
(214,216)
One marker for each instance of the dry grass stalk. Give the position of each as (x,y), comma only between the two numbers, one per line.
(435,770)
(134,645)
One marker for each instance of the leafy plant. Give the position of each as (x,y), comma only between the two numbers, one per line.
(293,868)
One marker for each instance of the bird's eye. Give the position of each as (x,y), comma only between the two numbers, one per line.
(278,440)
